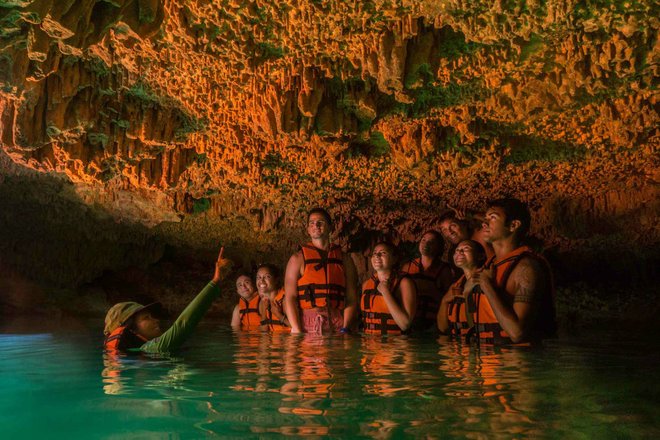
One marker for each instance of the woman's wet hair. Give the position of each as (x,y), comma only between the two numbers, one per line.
(478,251)
(274,270)
(439,239)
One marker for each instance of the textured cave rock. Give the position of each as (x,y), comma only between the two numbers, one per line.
(129,127)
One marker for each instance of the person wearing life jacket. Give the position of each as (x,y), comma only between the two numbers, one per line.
(432,278)
(455,229)
(320,282)
(131,327)
(389,298)
(247,313)
(455,312)
(516,298)
(271,307)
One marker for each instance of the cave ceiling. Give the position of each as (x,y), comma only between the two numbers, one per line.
(386,112)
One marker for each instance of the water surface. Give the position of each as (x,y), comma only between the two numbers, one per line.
(57,383)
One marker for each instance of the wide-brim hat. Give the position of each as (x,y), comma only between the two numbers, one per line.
(121,312)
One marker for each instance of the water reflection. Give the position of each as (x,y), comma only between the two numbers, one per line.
(123,374)
(387,365)
(278,384)
(491,387)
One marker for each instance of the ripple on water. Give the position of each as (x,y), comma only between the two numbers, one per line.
(258,384)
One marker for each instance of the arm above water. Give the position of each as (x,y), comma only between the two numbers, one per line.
(186,322)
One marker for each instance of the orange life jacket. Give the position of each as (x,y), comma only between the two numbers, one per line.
(376,316)
(249,310)
(429,294)
(274,324)
(323,282)
(487,327)
(457,310)
(122,339)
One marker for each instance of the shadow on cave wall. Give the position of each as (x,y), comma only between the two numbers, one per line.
(51,242)
(54,249)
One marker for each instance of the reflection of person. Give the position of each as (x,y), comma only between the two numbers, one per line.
(130,326)
(387,366)
(246,313)
(321,281)
(272,299)
(517,302)
(388,301)
(432,278)
(453,316)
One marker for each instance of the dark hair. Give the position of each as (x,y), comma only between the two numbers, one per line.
(390,247)
(479,252)
(448,215)
(243,273)
(451,216)
(514,209)
(439,238)
(274,270)
(323,212)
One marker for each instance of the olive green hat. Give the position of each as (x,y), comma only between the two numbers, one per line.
(120,313)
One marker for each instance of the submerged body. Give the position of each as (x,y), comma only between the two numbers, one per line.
(132,327)
(320,282)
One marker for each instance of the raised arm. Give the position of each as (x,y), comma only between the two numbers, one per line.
(291,277)
(193,313)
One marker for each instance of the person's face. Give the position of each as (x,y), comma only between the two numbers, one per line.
(318,227)
(265,281)
(464,256)
(147,326)
(245,286)
(429,245)
(494,225)
(453,232)
(382,258)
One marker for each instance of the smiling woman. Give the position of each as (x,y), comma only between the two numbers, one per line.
(389,300)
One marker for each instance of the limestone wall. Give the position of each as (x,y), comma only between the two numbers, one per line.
(242,114)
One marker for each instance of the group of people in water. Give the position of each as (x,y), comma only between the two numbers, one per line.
(490,287)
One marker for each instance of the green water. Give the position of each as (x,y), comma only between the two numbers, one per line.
(58,384)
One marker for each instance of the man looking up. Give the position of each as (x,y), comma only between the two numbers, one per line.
(516,301)
(320,282)
(455,230)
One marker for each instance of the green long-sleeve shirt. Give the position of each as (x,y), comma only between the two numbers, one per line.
(185,324)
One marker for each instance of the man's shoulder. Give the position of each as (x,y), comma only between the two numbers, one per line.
(529,265)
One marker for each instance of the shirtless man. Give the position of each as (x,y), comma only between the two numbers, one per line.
(517,298)
(320,282)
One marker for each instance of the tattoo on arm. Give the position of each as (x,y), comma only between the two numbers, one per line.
(527,281)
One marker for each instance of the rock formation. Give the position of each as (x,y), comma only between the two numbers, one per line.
(188,122)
